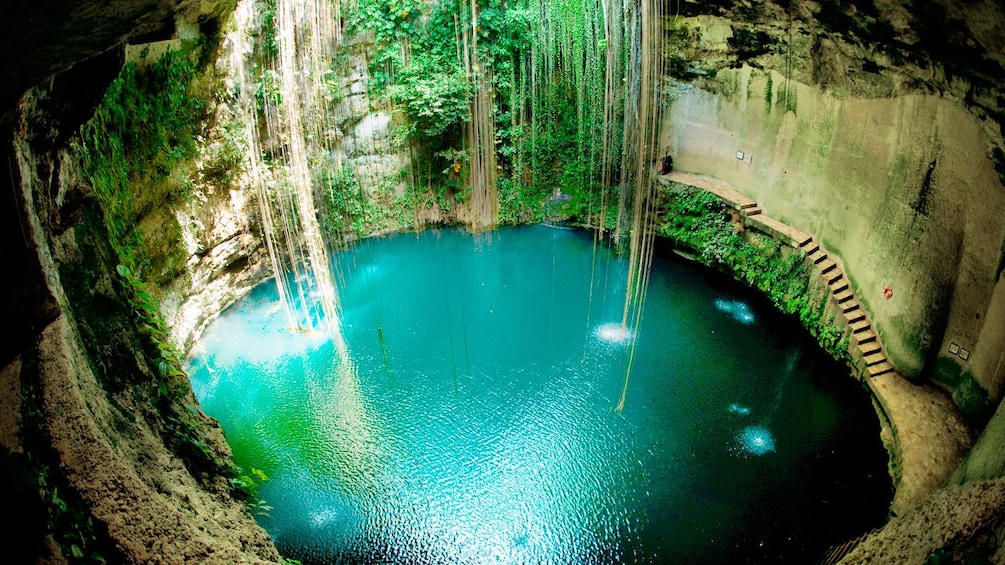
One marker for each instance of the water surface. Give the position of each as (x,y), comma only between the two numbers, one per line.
(476,423)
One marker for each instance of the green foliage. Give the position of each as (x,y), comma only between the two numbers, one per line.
(393,25)
(77,527)
(267,39)
(145,126)
(506,31)
(344,204)
(143,133)
(969,395)
(245,486)
(517,204)
(147,312)
(390,21)
(170,385)
(268,89)
(548,108)
(435,97)
(224,158)
(698,220)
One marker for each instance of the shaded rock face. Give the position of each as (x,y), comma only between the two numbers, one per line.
(957,524)
(91,426)
(97,430)
(45,38)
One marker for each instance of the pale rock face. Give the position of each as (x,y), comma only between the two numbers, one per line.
(225,260)
(372,135)
(365,138)
(352,107)
(355,101)
(375,171)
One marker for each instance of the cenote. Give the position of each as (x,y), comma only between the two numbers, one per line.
(477,422)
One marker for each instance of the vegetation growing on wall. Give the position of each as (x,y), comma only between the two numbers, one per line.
(555,71)
(144,128)
(136,154)
(697,220)
(969,395)
(426,64)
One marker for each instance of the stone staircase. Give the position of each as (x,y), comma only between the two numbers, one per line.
(866,348)
(928,454)
(836,553)
(863,336)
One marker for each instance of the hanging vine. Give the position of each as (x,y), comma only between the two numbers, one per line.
(507,110)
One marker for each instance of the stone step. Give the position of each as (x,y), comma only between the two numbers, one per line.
(840,286)
(874,358)
(844,296)
(826,266)
(855,316)
(753,211)
(870,347)
(866,336)
(833,276)
(859,325)
(812,248)
(751,204)
(851,306)
(880,369)
(804,241)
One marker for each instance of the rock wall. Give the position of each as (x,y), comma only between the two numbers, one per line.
(219,226)
(365,134)
(902,188)
(109,440)
(219,230)
(93,430)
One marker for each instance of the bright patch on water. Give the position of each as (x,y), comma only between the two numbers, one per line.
(614,333)
(738,309)
(476,422)
(756,440)
(739,409)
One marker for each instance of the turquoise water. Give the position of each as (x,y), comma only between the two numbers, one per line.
(476,423)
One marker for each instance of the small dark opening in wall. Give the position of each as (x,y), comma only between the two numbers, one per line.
(237,265)
(664,165)
(76,92)
(209,27)
(163,33)
(921,205)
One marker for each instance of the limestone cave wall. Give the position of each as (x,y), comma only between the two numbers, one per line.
(893,165)
(108,455)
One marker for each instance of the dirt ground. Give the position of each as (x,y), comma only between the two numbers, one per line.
(931,437)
